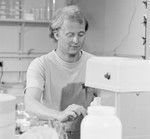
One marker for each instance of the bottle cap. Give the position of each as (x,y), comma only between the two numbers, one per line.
(96,101)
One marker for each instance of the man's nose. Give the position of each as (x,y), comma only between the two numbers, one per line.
(76,39)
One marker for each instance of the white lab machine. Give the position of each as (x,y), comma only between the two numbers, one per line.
(126,78)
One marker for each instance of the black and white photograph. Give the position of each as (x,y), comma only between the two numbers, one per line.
(74,69)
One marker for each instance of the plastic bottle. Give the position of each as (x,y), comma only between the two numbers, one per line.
(101,123)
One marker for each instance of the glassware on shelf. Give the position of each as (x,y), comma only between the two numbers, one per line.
(3,9)
(42,13)
(28,14)
(36,13)
(47,17)
(14,9)
(17,8)
(11,9)
(47,10)
(39,14)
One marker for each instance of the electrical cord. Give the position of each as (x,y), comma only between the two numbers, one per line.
(1,76)
(129,30)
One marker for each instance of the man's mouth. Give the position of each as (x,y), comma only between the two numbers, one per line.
(75,46)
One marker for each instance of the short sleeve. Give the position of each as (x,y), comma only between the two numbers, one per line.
(35,74)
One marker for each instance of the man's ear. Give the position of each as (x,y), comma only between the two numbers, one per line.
(56,35)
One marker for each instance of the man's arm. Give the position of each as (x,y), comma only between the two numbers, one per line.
(33,105)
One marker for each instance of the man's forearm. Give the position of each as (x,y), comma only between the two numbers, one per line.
(35,107)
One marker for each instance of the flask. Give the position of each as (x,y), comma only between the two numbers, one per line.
(101,123)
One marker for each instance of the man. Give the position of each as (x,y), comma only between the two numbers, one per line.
(55,81)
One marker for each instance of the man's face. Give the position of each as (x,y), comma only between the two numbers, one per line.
(71,37)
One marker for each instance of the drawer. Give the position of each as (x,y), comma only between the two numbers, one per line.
(118,74)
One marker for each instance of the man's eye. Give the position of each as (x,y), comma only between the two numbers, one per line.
(70,35)
(81,34)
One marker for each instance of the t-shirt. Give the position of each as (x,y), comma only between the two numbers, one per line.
(61,82)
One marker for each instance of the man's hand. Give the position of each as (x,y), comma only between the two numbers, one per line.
(71,112)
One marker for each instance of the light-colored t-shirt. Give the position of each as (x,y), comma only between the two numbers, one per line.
(60,81)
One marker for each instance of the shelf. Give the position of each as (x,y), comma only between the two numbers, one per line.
(21,55)
(20,21)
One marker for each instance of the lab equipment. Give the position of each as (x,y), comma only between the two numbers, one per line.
(118,74)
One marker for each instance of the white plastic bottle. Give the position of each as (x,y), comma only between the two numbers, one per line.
(101,123)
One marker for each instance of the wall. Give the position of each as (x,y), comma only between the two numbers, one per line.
(95,13)
(123,27)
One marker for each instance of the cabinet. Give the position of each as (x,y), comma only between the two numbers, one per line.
(134,112)
(135,115)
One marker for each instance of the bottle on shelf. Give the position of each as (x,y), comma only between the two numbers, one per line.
(36,13)
(42,11)
(21,9)
(47,10)
(17,9)
(3,9)
(11,10)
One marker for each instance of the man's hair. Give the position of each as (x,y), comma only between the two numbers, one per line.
(71,13)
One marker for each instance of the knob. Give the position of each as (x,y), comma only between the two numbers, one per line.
(107,76)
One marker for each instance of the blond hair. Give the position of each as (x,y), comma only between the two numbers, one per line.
(72,13)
